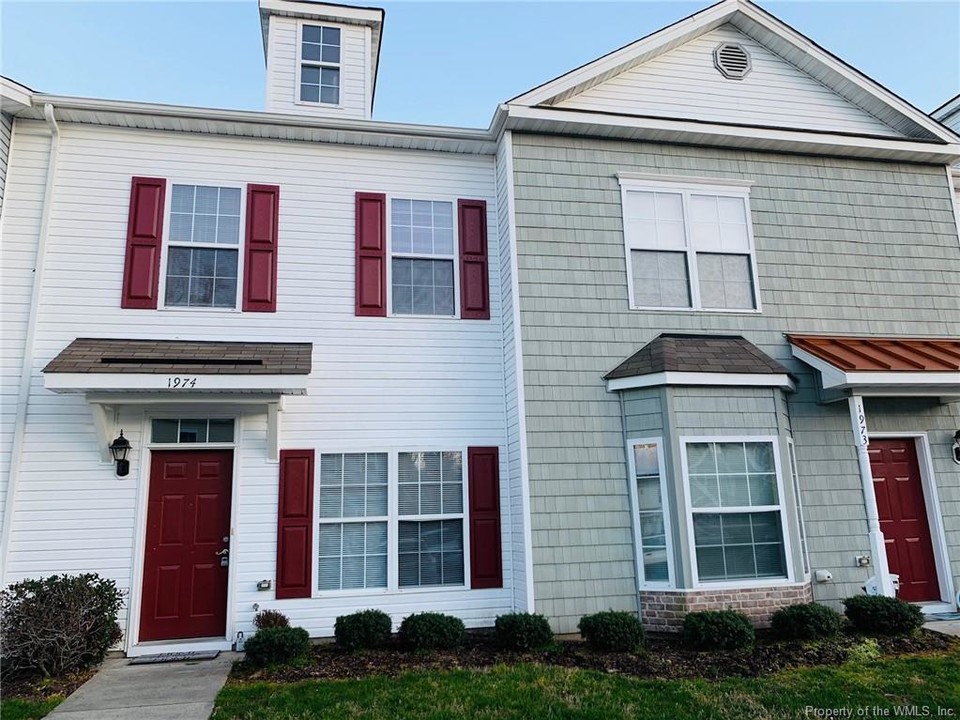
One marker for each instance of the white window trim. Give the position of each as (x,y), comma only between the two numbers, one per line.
(393,520)
(782,508)
(642,583)
(455,257)
(300,62)
(685,187)
(165,247)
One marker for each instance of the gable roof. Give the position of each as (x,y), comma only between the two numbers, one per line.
(765,29)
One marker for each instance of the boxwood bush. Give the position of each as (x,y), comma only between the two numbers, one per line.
(431,631)
(523,631)
(717,630)
(879,615)
(270,619)
(363,629)
(612,630)
(807,621)
(277,645)
(57,624)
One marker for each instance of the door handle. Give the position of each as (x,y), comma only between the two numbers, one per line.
(225,551)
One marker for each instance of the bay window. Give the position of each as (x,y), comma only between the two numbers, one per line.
(651,513)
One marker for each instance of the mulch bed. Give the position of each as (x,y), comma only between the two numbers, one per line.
(663,658)
(39,688)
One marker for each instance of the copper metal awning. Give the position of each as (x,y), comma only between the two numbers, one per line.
(883,365)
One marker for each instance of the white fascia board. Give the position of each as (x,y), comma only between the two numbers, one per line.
(250,123)
(622,59)
(14,97)
(323,11)
(704,133)
(830,376)
(846,71)
(196,385)
(780,380)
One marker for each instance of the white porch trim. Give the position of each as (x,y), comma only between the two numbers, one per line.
(780,380)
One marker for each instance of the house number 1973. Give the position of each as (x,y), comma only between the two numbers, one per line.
(181,383)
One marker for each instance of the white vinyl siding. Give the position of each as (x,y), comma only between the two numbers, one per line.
(285,71)
(683,83)
(688,247)
(370,389)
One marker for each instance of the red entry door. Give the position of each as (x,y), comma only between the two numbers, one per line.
(188,523)
(903,518)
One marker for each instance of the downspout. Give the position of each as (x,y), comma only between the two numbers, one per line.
(881,583)
(26,369)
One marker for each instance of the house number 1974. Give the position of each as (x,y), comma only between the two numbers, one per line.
(181,383)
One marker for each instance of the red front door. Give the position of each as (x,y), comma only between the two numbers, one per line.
(188,523)
(903,518)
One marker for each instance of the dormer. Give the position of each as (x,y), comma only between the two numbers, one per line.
(321,58)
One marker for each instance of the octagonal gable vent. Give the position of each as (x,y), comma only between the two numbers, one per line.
(732,60)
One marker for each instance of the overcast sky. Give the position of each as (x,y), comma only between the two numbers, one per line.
(442,63)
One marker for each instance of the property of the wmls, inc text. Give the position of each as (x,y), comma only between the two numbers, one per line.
(877,711)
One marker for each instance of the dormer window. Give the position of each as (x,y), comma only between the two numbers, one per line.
(320,64)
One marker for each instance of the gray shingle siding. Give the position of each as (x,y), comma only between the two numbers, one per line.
(843,246)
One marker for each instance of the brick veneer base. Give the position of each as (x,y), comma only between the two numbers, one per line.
(663,610)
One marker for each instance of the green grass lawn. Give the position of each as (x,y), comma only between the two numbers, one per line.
(28,709)
(542,692)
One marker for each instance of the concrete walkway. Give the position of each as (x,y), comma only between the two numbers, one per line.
(947,627)
(165,691)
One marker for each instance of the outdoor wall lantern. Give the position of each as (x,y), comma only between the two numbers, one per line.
(956,447)
(119,449)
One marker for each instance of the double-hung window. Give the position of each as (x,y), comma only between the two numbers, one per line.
(320,64)
(651,513)
(422,257)
(736,509)
(390,520)
(203,250)
(688,246)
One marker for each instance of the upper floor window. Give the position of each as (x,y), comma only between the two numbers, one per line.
(204,247)
(422,257)
(688,246)
(320,64)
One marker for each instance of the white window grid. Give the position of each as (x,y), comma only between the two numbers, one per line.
(690,511)
(686,188)
(454,257)
(166,243)
(393,519)
(642,581)
(338,66)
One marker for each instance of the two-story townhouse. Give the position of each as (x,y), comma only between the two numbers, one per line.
(294,318)
(679,330)
(739,309)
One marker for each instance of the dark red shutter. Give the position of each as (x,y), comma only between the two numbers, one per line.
(474,278)
(141,268)
(483,475)
(260,251)
(294,524)
(371,269)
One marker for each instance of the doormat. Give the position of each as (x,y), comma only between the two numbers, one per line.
(174,657)
(944,616)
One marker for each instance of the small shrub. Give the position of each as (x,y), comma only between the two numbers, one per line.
(270,619)
(431,631)
(863,652)
(523,631)
(717,630)
(876,614)
(58,624)
(364,629)
(807,621)
(277,645)
(612,631)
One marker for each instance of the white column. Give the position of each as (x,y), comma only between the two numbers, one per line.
(878,551)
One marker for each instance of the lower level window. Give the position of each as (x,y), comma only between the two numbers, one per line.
(360,539)
(736,510)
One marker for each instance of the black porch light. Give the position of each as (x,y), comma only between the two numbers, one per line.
(956,447)
(119,449)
